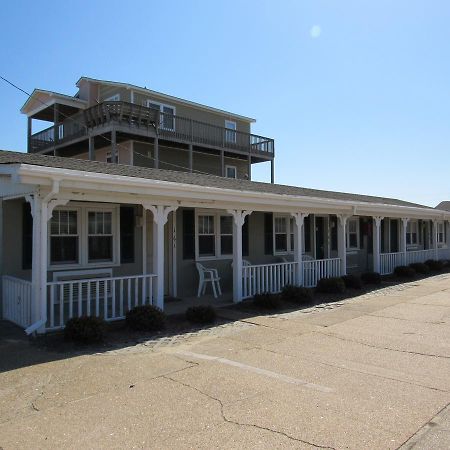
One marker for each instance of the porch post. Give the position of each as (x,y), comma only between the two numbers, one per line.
(342,247)
(114,157)
(239,218)
(404,224)
(55,124)
(435,239)
(299,218)
(91,149)
(376,243)
(29,133)
(191,158)
(272,171)
(160,216)
(156,148)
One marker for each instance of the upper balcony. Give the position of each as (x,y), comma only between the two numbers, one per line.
(135,121)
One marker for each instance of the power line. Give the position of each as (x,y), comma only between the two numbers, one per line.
(118,145)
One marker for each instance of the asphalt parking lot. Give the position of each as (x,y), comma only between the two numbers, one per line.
(372,372)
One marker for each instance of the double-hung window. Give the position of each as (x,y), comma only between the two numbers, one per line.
(100,236)
(412,232)
(167,115)
(231,171)
(230,131)
(206,235)
(353,233)
(226,235)
(64,237)
(441,233)
(281,234)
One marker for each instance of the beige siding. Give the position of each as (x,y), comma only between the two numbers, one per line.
(124,151)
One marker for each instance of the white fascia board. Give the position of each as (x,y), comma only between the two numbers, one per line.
(82,180)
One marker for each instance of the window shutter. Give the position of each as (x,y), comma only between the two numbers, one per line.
(307,231)
(188,234)
(127,227)
(245,237)
(268,233)
(27,236)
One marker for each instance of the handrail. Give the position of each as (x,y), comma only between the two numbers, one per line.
(168,126)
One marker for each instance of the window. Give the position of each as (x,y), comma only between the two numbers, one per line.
(441,233)
(206,236)
(100,236)
(281,234)
(83,235)
(109,157)
(230,132)
(167,118)
(113,98)
(353,234)
(412,232)
(226,235)
(64,237)
(214,235)
(231,172)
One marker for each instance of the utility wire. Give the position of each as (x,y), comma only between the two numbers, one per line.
(118,145)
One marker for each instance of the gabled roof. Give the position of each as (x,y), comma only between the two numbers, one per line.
(167,97)
(445,205)
(186,178)
(53,97)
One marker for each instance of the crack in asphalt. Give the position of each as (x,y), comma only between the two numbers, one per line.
(234,422)
(381,348)
(435,322)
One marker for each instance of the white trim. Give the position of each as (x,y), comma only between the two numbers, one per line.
(413,227)
(230,131)
(358,237)
(82,228)
(288,250)
(161,109)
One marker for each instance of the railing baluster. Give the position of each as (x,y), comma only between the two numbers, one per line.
(97,298)
(61,305)
(121,298)
(70,300)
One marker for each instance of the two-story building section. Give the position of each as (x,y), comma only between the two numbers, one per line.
(117,122)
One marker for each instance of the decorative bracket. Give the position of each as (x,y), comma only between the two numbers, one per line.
(52,204)
(239,216)
(160,212)
(377,220)
(343,219)
(299,217)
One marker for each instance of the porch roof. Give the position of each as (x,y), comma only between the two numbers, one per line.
(195,179)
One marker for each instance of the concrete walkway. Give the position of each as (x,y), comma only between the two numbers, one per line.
(372,372)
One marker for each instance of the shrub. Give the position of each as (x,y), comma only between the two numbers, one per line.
(146,318)
(296,294)
(352,281)
(331,285)
(420,268)
(267,301)
(85,330)
(371,278)
(201,314)
(404,272)
(435,266)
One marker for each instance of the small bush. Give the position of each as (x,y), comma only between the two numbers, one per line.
(420,268)
(404,272)
(201,314)
(331,285)
(267,301)
(352,281)
(85,330)
(146,318)
(371,278)
(296,294)
(435,266)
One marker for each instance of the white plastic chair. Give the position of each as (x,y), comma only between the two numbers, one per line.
(207,275)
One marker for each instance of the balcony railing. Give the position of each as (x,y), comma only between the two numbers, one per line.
(167,126)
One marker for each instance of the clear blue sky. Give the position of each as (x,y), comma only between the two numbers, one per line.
(356,93)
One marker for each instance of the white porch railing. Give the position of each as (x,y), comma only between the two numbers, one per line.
(257,279)
(389,261)
(16,295)
(109,298)
(317,269)
(444,253)
(420,256)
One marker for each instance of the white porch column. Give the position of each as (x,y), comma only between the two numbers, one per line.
(435,239)
(239,218)
(160,216)
(404,224)
(376,242)
(299,218)
(342,246)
